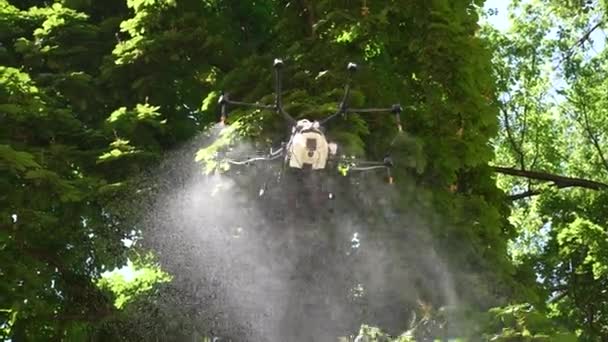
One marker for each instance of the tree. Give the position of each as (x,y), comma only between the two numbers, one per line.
(55,236)
(443,75)
(92,98)
(551,149)
(77,125)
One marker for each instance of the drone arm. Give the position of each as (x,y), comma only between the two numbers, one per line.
(278,104)
(363,166)
(343,108)
(251,105)
(368,110)
(224,101)
(286,116)
(395,109)
(352,67)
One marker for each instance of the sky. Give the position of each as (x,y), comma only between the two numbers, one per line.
(500,20)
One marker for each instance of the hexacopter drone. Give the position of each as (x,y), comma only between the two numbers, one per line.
(308,148)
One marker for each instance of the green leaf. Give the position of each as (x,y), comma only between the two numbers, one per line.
(16,160)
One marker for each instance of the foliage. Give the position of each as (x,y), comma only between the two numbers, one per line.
(94,94)
(522,322)
(550,71)
(445,87)
(132,281)
(373,334)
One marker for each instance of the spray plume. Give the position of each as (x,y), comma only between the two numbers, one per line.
(247,267)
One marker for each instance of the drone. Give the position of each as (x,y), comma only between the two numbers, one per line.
(308,148)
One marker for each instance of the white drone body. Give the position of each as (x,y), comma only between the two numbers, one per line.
(308,148)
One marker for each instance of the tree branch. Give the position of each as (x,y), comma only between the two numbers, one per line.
(558,297)
(559,181)
(525,111)
(524,194)
(536,149)
(514,144)
(593,138)
(579,42)
(531,192)
(78,288)
(309,10)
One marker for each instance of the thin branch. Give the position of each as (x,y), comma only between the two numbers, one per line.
(559,181)
(308,7)
(524,129)
(519,148)
(578,43)
(558,297)
(524,194)
(536,148)
(593,138)
(531,192)
(516,146)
